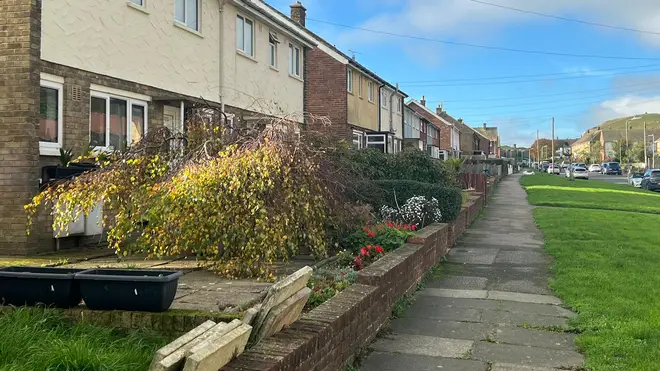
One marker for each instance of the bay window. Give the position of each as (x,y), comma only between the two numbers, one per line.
(116,122)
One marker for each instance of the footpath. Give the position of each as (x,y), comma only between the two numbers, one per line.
(490,309)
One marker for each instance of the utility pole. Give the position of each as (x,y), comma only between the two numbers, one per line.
(646,153)
(553,145)
(538,154)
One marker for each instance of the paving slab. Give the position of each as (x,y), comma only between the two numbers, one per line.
(460,282)
(525,355)
(424,345)
(542,309)
(510,367)
(379,361)
(521,257)
(444,329)
(453,293)
(443,312)
(522,286)
(541,339)
(523,298)
(521,319)
(430,301)
(472,255)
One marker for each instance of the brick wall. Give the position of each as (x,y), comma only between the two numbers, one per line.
(445,137)
(20,35)
(325,94)
(329,336)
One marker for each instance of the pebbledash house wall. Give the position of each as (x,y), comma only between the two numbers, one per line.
(87,45)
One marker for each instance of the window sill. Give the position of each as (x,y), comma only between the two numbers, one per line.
(350,92)
(48,150)
(131,4)
(245,55)
(186,28)
(274,69)
(296,77)
(372,102)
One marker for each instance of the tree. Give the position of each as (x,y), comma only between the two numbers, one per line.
(637,152)
(594,152)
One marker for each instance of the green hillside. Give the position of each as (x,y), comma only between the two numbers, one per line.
(652,122)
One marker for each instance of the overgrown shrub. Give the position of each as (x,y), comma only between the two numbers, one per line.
(417,211)
(388,235)
(241,206)
(391,193)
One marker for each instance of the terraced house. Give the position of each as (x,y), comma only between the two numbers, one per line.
(346,99)
(103,73)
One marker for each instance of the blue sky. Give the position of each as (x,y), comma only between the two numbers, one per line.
(580,93)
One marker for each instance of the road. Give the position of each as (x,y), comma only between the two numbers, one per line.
(616,179)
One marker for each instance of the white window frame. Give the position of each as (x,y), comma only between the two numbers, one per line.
(184,23)
(293,60)
(370,91)
(383,98)
(360,142)
(272,49)
(130,102)
(383,141)
(51,148)
(349,80)
(360,85)
(241,48)
(398,105)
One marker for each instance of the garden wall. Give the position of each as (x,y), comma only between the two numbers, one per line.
(328,337)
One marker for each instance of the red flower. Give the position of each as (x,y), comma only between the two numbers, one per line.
(413,227)
(358,263)
(389,224)
(379,250)
(364,251)
(405,227)
(370,247)
(371,234)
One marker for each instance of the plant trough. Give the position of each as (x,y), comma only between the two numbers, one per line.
(39,286)
(128,289)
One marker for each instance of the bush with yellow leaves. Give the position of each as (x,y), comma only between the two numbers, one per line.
(240,204)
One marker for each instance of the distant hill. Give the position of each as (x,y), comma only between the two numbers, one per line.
(652,122)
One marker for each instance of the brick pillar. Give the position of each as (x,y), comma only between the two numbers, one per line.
(20,44)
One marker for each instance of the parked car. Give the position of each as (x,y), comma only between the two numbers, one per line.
(578,173)
(594,168)
(553,169)
(611,168)
(635,179)
(651,180)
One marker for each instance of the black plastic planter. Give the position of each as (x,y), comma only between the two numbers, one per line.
(39,286)
(128,289)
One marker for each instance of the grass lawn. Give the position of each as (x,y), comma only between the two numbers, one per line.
(607,268)
(44,340)
(549,190)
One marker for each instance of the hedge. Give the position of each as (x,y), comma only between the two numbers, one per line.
(382,192)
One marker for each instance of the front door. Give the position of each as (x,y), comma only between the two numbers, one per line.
(172,119)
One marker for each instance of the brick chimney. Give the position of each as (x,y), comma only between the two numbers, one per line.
(438,110)
(299,13)
(423,101)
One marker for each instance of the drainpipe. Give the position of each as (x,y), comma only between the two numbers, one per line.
(392,116)
(380,108)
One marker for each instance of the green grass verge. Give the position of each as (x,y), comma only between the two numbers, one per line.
(556,191)
(34,339)
(607,268)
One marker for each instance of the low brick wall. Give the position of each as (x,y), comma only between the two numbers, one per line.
(328,337)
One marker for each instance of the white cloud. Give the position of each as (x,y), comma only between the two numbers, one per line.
(460,19)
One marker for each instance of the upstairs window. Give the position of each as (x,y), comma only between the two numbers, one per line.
(349,81)
(370,91)
(295,61)
(245,35)
(138,2)
(272,48)
(383,98)
(186,12)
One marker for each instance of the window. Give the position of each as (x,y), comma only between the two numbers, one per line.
(383,98)
(295,61)
(370,91)
(116,122)
(50,118)
(349,81)
(245,35)
(376,141)
(272,48)
(186,12)
(138,2)
(398,105)
(358,139)
(360,86)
